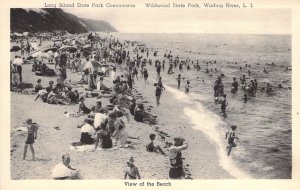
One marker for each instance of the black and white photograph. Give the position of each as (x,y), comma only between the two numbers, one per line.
(150,91)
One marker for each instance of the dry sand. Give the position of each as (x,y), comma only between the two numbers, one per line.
(200,158)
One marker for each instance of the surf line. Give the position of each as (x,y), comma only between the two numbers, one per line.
(210,124)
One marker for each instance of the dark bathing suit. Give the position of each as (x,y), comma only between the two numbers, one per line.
(31,130)
(176,170)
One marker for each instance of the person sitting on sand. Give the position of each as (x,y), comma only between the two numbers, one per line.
(50,87)
(99,108)
(53,97)
(82,108)
(132,106)
(141,115)
(38,86)
(31,135)
(111,118)
(104,136)
(101,86)
(100,118)
(64,171)
(43,94)
(230,135)
(151,147)
(121,134)
(87,130)
(71,96)
(132,172)
(176,170)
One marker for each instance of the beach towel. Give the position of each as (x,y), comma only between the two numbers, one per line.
(83,148)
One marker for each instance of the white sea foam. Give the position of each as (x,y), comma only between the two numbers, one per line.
(210,124)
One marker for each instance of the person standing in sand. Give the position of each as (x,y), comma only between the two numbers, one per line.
(132,172)
(158,94)
(176,170)
(145,73)
(31,135)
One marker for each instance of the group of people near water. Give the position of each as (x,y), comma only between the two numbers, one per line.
(104,126)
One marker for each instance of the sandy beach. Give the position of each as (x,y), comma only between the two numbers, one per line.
(200,159)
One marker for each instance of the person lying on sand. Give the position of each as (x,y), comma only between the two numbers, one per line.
(64,171)
(151,147)
(31,135)
(132,172)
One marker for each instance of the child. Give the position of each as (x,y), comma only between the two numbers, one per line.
(132,172)
(31,135)
(151,147)
(231,136)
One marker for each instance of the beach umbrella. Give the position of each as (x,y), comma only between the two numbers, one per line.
(18,61)
(68,48)
(49,49)
(39,54)
(15,49)
(93,65)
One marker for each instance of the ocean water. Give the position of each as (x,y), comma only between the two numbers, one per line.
(264,122)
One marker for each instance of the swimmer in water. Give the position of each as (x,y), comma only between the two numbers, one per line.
(230,135)
(178,80)
(187,87)
(224,104)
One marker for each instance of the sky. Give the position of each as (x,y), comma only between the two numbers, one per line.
(146,20)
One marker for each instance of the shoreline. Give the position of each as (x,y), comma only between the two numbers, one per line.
(201,158)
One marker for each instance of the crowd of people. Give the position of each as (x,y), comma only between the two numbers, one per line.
(105,126)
